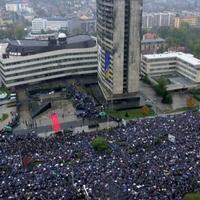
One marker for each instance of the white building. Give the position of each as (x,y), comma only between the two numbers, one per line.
(18,6)
(76,57)
(169,63)
(150,20)
(39,24)
(55,24)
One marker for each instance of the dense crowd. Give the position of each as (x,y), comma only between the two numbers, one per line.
(141,163)
(84,104)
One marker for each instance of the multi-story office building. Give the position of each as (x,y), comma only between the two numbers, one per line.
(169,63)
(87,25)
(191,20)
(39,24)
(147,21)
(18,6)
(84,25)
(56,23)
(150,20)
(33,61)
(118,37)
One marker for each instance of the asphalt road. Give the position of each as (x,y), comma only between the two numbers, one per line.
(66,125)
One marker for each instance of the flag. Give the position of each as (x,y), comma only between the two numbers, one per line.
(107,61)
(55,122)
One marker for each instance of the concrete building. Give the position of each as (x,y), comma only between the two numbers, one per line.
(56,23)
(39,24)
(191,20)
(147,21)
(33,61)
(53,24)
(150,20)
(84,25)
(87,24)
(18,6)
(118,37)
(158,65)
(40,36)
(150,46)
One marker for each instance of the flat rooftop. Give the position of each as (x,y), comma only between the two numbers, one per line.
(44,43)
(189,58)
(31,47)
(152,40)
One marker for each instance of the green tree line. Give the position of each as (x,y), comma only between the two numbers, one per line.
(13,31)
(186,36)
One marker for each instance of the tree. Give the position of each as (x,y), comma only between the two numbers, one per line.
(167,98)
(19,32)
(191,102)
(161,87)
(126,114)
(161,90)
(186,36)
(145,110)
(100,144)
(146,79)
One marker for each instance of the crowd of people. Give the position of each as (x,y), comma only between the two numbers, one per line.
(141,163)
(84,104)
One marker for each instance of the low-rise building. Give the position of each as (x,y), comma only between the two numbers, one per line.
(191,20)
(39,24)
(149,46)
(33,61)
(169,63)
(83,25)
(53,24)
(18,6)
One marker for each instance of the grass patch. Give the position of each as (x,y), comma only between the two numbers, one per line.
(100,144)
(184,109)
(192,196)
(130,114)
(4,117)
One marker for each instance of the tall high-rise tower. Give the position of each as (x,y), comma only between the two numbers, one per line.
(119,25)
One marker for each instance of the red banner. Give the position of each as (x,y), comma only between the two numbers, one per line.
(55,122)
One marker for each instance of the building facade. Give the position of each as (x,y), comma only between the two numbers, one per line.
(18,6)
(118,38)
(151,46)
(169,63)
(151,20)
(31,64)
(39,24)
(191,20)
(53,24)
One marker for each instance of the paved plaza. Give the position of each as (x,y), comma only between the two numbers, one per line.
(62,106)
(179,99)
